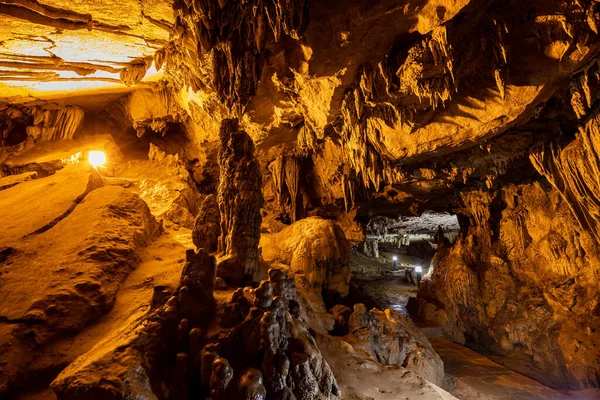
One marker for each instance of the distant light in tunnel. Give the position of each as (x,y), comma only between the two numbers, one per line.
(418,269)
(97,158)
(394,258)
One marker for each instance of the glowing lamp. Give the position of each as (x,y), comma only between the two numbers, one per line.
(394,258)
(418,269)
(97,158)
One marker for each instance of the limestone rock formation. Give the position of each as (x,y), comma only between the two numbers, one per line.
(207,229)
(172,197)
(391,338)
(82,276)
(359,377)
(240,200)
(515,285)
(122,365)
(327,121)
(318,253)
(259,349)
(316,248)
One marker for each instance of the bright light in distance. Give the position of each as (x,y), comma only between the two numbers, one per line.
(394,258)
(97,158)
(418,269)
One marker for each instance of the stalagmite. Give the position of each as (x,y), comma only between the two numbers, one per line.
(240,200)
(207,228)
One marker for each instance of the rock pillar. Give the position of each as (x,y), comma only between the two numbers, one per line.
(240,199)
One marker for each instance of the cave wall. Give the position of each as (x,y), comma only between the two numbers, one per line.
(522,282)
(522,279)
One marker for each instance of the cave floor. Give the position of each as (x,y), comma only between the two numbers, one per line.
(377,279)
(161,265)
(470,375)
(390,292)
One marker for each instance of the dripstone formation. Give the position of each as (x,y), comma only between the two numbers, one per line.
(257,348)
(207,225)
(240,200)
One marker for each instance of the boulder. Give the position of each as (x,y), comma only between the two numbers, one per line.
(391,338)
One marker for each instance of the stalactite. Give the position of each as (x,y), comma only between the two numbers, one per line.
(292,180)
(286,171)
(574,170)
(435,51)
(61,123)
(277,172)
(583,88)
(427,73)
(135,71)
(477,205)
(231,35)
(500,50)
(592,17)
(348,191)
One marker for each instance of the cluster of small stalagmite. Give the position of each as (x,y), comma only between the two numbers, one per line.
(258,349)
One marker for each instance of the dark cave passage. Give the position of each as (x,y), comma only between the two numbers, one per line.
(383,268)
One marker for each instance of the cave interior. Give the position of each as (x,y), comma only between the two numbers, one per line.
(294,199)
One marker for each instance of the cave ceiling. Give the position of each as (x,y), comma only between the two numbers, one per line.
(388,105)
(56,46)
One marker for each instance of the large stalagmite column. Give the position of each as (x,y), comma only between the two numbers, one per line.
(240,199)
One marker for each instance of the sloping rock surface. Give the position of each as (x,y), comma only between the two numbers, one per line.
(75,269)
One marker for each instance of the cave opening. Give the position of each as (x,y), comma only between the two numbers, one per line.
(296,200)
(397,254)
